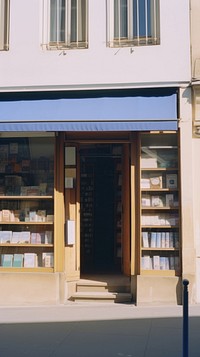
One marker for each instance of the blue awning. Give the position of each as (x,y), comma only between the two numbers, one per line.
(149,109)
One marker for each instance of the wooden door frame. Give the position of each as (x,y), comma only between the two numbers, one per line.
(106,138)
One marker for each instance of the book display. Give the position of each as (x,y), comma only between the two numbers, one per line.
(159,203)
(26,203)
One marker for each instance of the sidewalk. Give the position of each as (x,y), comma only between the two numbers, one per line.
(97,330)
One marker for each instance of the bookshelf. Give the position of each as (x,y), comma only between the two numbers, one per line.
(26,204)
(159,205)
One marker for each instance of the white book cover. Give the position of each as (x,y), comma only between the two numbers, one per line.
(149,163)
(167,240)
(5,236)
(15,237)
(30,260)
(145,183)
(158,239)
(153,239)
(33,238)
(146,201)
(156,262)
(146,264)
(162,263)
(145,240)
(25,237)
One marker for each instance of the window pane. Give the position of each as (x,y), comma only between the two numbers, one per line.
(4,24)
(57,20)
(78,21)
(120,19)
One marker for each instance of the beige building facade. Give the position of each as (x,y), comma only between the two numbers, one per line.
(99,166)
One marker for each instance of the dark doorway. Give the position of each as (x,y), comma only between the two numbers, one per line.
(99,209)
(104,214)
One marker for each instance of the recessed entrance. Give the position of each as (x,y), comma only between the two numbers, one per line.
(101,208)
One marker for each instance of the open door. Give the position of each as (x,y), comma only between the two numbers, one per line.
(104,209)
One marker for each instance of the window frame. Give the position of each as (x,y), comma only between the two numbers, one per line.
(134,38)
(67,43)
(4,24)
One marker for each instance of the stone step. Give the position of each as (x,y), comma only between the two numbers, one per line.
(99,286)
(101,297)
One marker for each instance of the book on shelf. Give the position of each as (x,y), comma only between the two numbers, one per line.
(48,237)
(164,263)
(48,259)
(37,238)
(156,182)
(157,201)
(149,162)
(145,182)
(146,200)
(166,239)
(156,262)
(25,237)
(18,260)
(145,239)
(171,181)
(5,236)
(7,260)
(162,239)
(5,215)
(30,260)
(41,215)
(146,262)
(158,240)
(15,237)
(153,239)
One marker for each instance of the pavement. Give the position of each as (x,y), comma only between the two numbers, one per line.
(97,330)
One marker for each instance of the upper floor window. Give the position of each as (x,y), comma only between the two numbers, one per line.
(67,24)
(133,22)
(4,24)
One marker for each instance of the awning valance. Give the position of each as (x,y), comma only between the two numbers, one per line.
(147,109)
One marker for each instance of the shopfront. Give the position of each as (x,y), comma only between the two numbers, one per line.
(89,185)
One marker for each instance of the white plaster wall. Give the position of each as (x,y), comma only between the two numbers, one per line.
(26,65)
(195,30)
(196,192)
(188,196)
